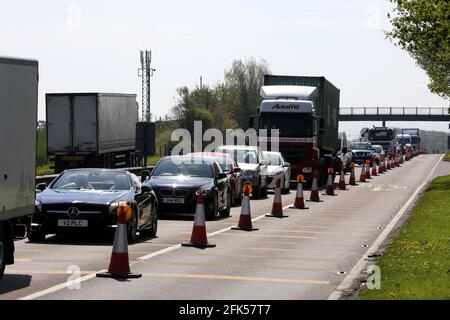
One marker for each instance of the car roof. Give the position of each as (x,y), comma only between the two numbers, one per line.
(189,157)
(272,152)
(96,169)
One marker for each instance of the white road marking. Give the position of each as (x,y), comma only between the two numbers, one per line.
(359,266)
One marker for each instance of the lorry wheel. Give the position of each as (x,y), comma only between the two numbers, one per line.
(2,256)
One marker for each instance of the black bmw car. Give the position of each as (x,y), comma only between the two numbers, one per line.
(175,180)
(87,199)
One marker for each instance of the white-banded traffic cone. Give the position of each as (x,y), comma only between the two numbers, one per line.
(368,169)
(352,180)
(314,196)
(374,168)
(299,202)
(277,207)
(198,237)
(362,176)
(245,219)
(330,183)
(342,179)
(119,265)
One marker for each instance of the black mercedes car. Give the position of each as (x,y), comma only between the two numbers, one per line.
(87,199)
(175,180)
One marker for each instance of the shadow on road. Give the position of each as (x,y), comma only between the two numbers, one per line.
(13,282)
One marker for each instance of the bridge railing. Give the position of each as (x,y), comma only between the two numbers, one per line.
(394,111)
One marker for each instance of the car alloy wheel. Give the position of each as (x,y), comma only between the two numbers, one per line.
(2,258)
(132,228)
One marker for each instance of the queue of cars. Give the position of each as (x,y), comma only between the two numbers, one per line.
(87,199)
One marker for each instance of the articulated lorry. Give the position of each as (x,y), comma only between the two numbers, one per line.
(305,111)
(91,130)
(18,119)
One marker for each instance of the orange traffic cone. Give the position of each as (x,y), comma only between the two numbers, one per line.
(342,179)
(374,168)
(362,177)
(119,265)
(388,163)
(330,183)
(277,207)
(368,169)
(380,166)
(352,180)
(245,219)
(198,237)
(315,187)
(299,200)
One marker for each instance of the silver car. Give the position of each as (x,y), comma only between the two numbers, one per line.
(277,168)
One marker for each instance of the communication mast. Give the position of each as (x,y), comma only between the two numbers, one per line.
(146,71)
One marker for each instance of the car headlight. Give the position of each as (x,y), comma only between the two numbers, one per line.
(307,170)
(113,205)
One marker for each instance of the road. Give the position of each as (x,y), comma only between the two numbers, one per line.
(303,256)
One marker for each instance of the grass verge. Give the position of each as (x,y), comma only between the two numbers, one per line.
(447,157)
(416,264)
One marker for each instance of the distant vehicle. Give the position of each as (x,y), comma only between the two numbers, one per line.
(91,130)
(278,168)
(86,200)
(361,152)
(343,152)
(232,170)
(176,179)
(378,153)
(415,138)
(18,113)
(404,141)
(305,111)
(383,136)
(253,166)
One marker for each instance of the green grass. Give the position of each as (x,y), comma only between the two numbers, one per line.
(447,157)
(416,264)
(45,169)
(151,161)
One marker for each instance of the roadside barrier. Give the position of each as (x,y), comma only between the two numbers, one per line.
(198,238)
(119,265)
(342,179)
(277,207)
(330,183)
(362,176)
(245,219)
(368,169)
(352,180)
(299,200)
(314,196)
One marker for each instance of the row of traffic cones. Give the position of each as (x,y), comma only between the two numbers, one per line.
(119,264)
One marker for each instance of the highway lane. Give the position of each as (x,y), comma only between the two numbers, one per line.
(304,256)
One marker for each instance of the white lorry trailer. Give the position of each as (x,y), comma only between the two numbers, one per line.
(91,130)
(18,120)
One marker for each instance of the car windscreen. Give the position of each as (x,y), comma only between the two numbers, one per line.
(273,158)
(185,167)
(361,146)
(378,149)
(288,124)
(242,155)
(93,180)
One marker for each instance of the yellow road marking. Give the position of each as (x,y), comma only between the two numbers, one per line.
(235,278)
(252,256)
(238,266)
(284,249)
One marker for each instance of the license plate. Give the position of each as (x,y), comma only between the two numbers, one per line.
(72,223)
(173,200)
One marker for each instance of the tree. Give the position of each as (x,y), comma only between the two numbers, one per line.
(422,27)
(245,78)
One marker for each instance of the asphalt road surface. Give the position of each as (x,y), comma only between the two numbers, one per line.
(303,256)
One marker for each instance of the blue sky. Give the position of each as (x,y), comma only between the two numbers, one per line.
(94,46)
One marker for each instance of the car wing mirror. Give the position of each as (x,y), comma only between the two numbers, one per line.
(221,175)
(145,188)
(237,169)
(286,164)
(41,186)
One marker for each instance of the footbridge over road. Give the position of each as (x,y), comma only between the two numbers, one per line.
(395,114)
